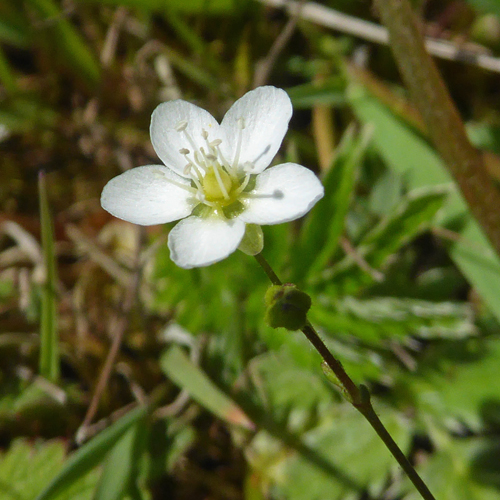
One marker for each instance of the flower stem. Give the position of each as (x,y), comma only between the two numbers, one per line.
(358,396)
(268,269)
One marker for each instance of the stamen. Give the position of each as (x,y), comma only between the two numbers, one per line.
(219,181)
(197,184)
(204,134)
(215,143)
(190,165)
(227,167)
(248,165)
(181,126)
(244,184)
(241,126)
(215,166)
(277,194)
(195,148)
(199,160)
(189,189)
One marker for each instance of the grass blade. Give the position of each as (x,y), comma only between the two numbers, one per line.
(49,340)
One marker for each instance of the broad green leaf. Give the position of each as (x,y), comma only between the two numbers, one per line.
(49,338)
(406,152)
(181,370)
(26,467)
(329,92)
(91,454)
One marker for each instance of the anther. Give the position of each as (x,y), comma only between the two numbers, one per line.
(211,157)
(241,123)
(181,126)
(204,134)
(184,151)
(215,143)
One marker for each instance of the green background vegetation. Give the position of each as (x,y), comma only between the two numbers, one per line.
(204,400)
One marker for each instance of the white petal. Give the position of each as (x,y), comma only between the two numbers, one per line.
(282,193)
(198,242)
(266,112)
(167,140)
(147,196)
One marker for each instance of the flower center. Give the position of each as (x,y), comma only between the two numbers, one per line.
(217,186)
(216,182)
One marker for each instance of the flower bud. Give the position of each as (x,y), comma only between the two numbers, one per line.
(287,307)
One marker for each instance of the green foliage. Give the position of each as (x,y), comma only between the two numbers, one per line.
(404,286)
(26,468)
(377,320)
(185,6)
(61,35)
(467,470)
(183,372)
(406,152)
(92,454)
(319,238)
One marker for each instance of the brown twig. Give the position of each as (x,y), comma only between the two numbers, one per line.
(360,261)
(444,49)
(118,332)
(265,66)
(440,115)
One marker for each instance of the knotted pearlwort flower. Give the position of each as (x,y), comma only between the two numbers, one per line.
(215,178)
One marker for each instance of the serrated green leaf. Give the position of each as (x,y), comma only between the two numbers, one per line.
(414,215)
(49,338)
(26,467)
(381,318)
(406,152)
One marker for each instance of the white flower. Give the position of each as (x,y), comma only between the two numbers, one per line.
(215,178)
